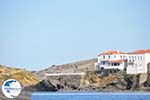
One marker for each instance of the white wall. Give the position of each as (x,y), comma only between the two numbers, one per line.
(122,65)
(132,70)
(147,60)
(139,63)
(112,57)
(136,68)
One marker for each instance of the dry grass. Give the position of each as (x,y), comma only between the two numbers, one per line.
(23,76)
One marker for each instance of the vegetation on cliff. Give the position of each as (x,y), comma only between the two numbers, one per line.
(24,77)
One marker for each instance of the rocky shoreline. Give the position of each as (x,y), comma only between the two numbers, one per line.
(94,81)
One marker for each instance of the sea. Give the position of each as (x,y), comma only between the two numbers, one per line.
(90,96)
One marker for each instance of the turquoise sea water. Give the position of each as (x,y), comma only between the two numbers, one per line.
(90,96)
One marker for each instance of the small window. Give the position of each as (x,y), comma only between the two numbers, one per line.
(132,58)
(103,57)
(103,63)
(115,64)
(114,56)
(124,57)
(118,64)
(141,57)
(138,57)
(121,57)
(129,57)
(109,56)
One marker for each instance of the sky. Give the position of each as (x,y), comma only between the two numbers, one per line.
(35,34)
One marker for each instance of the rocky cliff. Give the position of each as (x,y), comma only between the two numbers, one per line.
(106,80)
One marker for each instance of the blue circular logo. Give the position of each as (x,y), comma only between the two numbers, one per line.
(11,88)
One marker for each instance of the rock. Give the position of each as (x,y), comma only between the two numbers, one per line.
(79,66)
(147,82)
(59,86)
(45,85)
(129,82)
(132,81)
(143,78)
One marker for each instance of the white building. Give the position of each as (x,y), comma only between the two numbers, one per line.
(138,61)
(134,62)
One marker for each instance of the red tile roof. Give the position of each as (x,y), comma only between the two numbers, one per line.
(140,52)
(116,61)
(111,52)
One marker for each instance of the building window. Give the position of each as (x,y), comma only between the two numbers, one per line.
(134,57)
(124,57)
(129,57)
(138,57)
(121,57)
(141,57)
(103,57)
(114,56)
(103,63)
(116,64)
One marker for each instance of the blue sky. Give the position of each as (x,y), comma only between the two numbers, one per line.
(35,34)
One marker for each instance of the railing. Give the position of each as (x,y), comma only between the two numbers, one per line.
(63,74)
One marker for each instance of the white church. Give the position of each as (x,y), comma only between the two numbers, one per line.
(133,62)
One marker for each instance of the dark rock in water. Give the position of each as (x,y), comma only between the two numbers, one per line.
(132,81)
(45,85)
(147,83)
(74,87)
(67,82)
(129,83)
(59,86)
